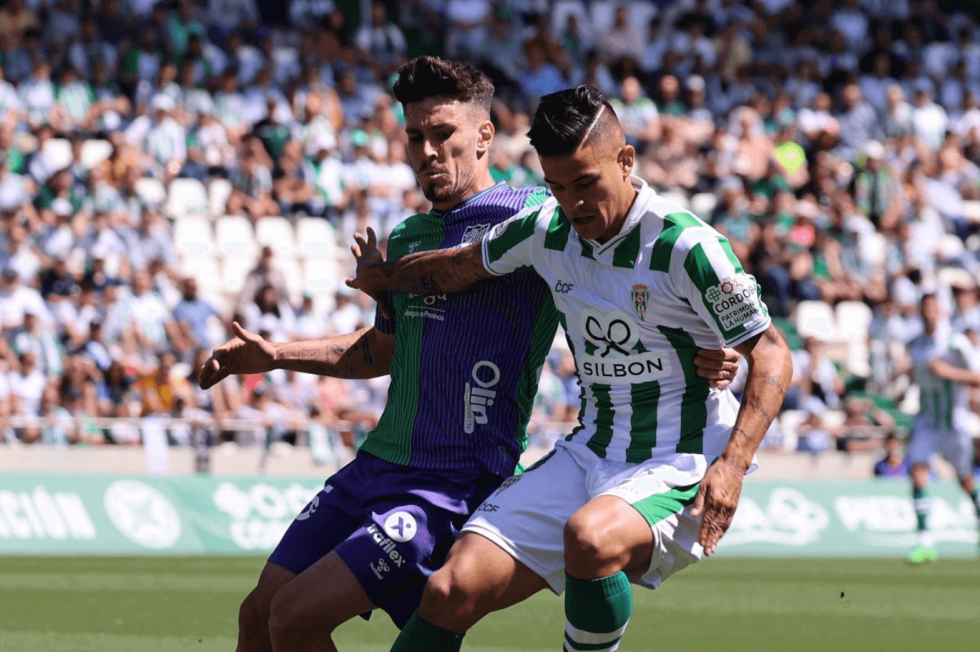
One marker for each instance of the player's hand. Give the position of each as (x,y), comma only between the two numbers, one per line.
(368,256)
(716,502)
(718,366)
(248,353)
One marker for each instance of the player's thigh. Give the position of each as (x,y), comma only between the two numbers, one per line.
(330,517)
(325,595)
(526,516)
(479,577)
(605,536)
(923,445)
(663,494)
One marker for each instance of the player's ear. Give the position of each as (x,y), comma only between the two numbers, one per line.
(486,136)
(627,157)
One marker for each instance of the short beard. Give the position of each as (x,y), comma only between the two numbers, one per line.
(437,195)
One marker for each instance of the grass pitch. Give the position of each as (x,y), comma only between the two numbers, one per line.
(56,604)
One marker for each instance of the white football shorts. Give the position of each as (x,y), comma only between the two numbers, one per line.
(526,516)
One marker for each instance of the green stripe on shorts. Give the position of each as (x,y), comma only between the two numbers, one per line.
(660,506)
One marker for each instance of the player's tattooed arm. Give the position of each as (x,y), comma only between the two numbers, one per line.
(770,371)
(363,354)
(427,272)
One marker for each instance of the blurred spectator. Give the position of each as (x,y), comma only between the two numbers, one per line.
(893,465)
(381,42)
(264,273)
(638,114)
(193,317)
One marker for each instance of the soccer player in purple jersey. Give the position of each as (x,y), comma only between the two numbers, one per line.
(464,372)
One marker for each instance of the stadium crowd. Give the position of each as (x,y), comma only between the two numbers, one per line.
(166,167)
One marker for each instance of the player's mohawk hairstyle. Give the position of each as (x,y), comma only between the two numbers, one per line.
(564,120)
(425,77)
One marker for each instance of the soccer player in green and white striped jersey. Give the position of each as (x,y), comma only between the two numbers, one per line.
(650,478)
(946,366)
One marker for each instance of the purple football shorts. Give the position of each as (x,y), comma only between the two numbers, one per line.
(392,525)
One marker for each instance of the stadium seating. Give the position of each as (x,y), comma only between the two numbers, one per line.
(185,197)
(59,149)
(95,151)
(235,236)
(277,233)
(816,319)
(192,235)
(219,190)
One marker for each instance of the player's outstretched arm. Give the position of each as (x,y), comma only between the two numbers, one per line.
(952,373)
(362,354)
(427,272)
(770,371)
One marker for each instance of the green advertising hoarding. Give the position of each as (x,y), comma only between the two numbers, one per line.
(190,515)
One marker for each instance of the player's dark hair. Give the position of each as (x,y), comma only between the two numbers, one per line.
(564,119)
(426,77)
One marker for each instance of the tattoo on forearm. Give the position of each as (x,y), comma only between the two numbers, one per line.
(758,406)
(769,379)
(368,358)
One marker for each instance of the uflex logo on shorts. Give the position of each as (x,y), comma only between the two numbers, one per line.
(400,527)
(479,396)
(142,514)
(734,301)
(613,360)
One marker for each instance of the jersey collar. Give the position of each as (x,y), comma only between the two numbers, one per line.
(644,196)
(466,202)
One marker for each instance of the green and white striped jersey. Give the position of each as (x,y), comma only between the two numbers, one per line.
(635,310)
(941,402)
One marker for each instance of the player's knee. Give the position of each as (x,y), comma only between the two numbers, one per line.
(449,598)
(252,616)
(587,541)
(286,620)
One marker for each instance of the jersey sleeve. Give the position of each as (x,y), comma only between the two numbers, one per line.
(707,275)
(510,246)
(969,356)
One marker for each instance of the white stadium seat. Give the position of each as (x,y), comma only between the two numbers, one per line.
(219,190)
(204,268)
(234,236)
(192,235)
(322,275)
(151,191)
(59,150)
(853,319)
(186,196)
(816,319)
(316,237)
(874,249)
(702,204)
(276,232)
(94,152)
(292,273)
(234,269)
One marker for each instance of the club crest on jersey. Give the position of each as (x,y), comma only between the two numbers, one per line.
(640,294)
(413,246)
(473,233)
